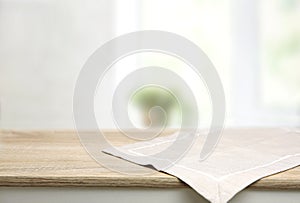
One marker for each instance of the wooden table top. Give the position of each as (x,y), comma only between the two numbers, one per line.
(56,158)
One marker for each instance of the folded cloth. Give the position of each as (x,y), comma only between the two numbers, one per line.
(240,158)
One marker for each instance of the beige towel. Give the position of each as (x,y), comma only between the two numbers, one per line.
(240,158)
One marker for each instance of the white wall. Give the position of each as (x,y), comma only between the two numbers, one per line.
(43,45)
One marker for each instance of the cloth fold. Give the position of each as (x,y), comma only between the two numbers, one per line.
(241,157)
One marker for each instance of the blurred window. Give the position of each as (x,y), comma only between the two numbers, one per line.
(254,45)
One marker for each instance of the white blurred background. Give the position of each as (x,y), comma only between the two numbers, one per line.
(254,45)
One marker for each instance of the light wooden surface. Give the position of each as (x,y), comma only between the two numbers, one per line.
(56,158)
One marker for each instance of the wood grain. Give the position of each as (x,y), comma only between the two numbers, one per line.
(56,158)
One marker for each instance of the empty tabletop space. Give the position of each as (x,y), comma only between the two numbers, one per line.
(57,159)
